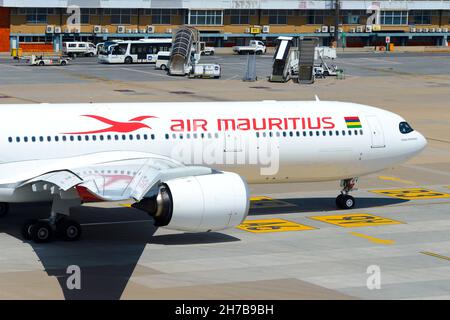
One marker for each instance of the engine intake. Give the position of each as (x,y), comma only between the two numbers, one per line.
(199,203)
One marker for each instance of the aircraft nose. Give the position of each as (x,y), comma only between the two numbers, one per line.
(421,142)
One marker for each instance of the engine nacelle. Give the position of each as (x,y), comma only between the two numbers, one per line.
(199,203)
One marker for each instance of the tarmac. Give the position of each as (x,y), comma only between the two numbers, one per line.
(294,244)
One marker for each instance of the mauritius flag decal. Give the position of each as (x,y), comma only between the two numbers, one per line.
(352,122)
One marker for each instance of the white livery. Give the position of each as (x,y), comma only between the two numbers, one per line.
(187,164)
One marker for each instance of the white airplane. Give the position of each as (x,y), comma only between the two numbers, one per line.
(187,164)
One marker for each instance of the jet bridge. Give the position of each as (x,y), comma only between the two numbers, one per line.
(184,41)
(283,60)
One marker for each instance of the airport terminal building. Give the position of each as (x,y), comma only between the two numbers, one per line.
(43,25)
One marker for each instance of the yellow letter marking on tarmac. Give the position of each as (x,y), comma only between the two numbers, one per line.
(412,193)
(355,220)
(267,202)
(373,239)
(396,179)
(272,225)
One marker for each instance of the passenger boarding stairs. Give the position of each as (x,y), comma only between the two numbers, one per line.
(184,41)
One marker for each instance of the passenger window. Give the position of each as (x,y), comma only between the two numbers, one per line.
(167,136)
(64,138)
(360,131)
(131,137)
(284,134)
(317,133)
(356,132)
(343,132)
(10,139)
(152,136)
(349,132)
(324,133)
(86,138)
(124,137)
(337,132)
(72,138)
(310,133)
(56,138)
(25,139)
(304,133)
(101,138)
(33,139)
(94,138)
(49,139)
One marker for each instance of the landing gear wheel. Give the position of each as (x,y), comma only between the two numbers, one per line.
(26,228)
(4,209)
(69,230)
(345,201)
(41,232)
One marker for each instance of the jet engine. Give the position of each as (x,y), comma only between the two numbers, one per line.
(199,203)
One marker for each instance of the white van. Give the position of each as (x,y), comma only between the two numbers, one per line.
(162,60)
(73,49)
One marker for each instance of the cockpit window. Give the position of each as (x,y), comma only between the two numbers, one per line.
(405,128)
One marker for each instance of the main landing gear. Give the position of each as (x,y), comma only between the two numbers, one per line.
(57,225)
(344,200)
(42,231)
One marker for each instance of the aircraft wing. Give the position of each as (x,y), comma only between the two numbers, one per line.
(110,176)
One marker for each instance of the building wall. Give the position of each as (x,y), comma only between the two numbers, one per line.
(4,29)
(296,24)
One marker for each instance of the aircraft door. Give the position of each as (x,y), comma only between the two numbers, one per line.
(376,132)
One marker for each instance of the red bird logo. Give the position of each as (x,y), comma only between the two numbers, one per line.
(115,126)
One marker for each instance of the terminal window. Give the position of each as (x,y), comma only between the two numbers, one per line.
(36,15)
(394,17)
(420,16)
(122,16)
(161,16)
(240,16)
(206,17)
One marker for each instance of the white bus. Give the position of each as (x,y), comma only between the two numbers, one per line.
(133,51)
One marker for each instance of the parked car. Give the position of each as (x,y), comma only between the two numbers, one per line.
(74,49)
(255,46)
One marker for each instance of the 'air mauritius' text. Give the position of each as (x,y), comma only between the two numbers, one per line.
(245,124)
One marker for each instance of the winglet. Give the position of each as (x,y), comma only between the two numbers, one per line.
(317,98)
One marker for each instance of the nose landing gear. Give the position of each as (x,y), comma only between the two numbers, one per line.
(344,200)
